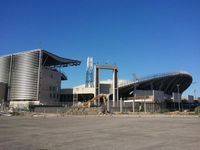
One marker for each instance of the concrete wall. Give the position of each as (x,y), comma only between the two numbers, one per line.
(78,93)
(3,92)
(153,95)
(83,90)
(50,82)
(23,104)
(106,88)
(82,93)
(144,93)
(175,97)
(158,95)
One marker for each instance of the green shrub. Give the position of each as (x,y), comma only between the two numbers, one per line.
(15,113)
(197,110)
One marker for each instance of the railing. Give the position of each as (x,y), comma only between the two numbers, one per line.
(160,75)
(152,76)
(124,83)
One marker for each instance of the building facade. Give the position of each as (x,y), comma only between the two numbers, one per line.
(33,76)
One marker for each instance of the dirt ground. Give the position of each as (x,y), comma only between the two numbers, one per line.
(99,132)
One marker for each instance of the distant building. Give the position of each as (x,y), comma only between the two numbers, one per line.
(190,98)
(158,87)
(199,99)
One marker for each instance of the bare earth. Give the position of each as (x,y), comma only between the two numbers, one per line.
(99,132)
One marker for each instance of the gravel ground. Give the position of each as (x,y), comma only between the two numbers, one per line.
(99,132)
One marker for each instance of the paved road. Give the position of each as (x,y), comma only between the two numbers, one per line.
(106,133)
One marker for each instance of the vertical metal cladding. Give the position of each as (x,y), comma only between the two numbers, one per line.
(4,68)
(24,77)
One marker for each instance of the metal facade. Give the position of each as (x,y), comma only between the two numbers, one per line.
(4,69)
(24,77)
(22,72)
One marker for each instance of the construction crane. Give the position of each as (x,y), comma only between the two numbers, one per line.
(136,79)
(87,104)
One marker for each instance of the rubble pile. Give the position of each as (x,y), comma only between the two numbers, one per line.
(86,111)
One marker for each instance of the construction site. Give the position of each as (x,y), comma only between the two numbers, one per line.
(143,113)
(31,81)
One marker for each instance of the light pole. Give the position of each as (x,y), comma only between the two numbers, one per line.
(195,94)
(178,97)
(135,86)
(134,92)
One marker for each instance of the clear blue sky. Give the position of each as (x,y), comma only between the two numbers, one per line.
(143,36)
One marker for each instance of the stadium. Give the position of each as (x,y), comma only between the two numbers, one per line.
(34,77)
(168,83)
(152,88)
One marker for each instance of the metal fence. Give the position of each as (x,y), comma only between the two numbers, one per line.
(120,106)
(125,107)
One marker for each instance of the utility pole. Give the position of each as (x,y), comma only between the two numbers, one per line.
(178,97)
(135,79)
(195,98)
(135,89)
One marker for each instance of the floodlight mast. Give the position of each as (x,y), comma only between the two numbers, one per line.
(89,73)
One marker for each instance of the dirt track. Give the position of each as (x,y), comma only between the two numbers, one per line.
(99,132)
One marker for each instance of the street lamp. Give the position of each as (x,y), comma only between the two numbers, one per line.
(135,86)
(178,97)
(195,94)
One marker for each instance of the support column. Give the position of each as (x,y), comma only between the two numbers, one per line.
(96,84)
(108,104)
(121,106)
(145,107)
(39,74)
(115,86)
(9,78)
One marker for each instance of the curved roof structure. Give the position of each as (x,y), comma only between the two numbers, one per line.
(50,59)
(166,82)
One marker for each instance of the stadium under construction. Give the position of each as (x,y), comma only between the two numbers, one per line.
(34,78)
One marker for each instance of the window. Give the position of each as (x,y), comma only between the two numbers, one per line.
(50,96)
(61,97)
(54,95)
(49,88)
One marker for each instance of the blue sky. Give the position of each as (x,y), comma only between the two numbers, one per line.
(143,36)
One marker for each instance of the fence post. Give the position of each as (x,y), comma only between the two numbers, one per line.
(121,105)
(108,105)
(2,105)
(145,107)
(133,106)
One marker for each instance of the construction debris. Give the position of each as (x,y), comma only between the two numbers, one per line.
(86,111)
